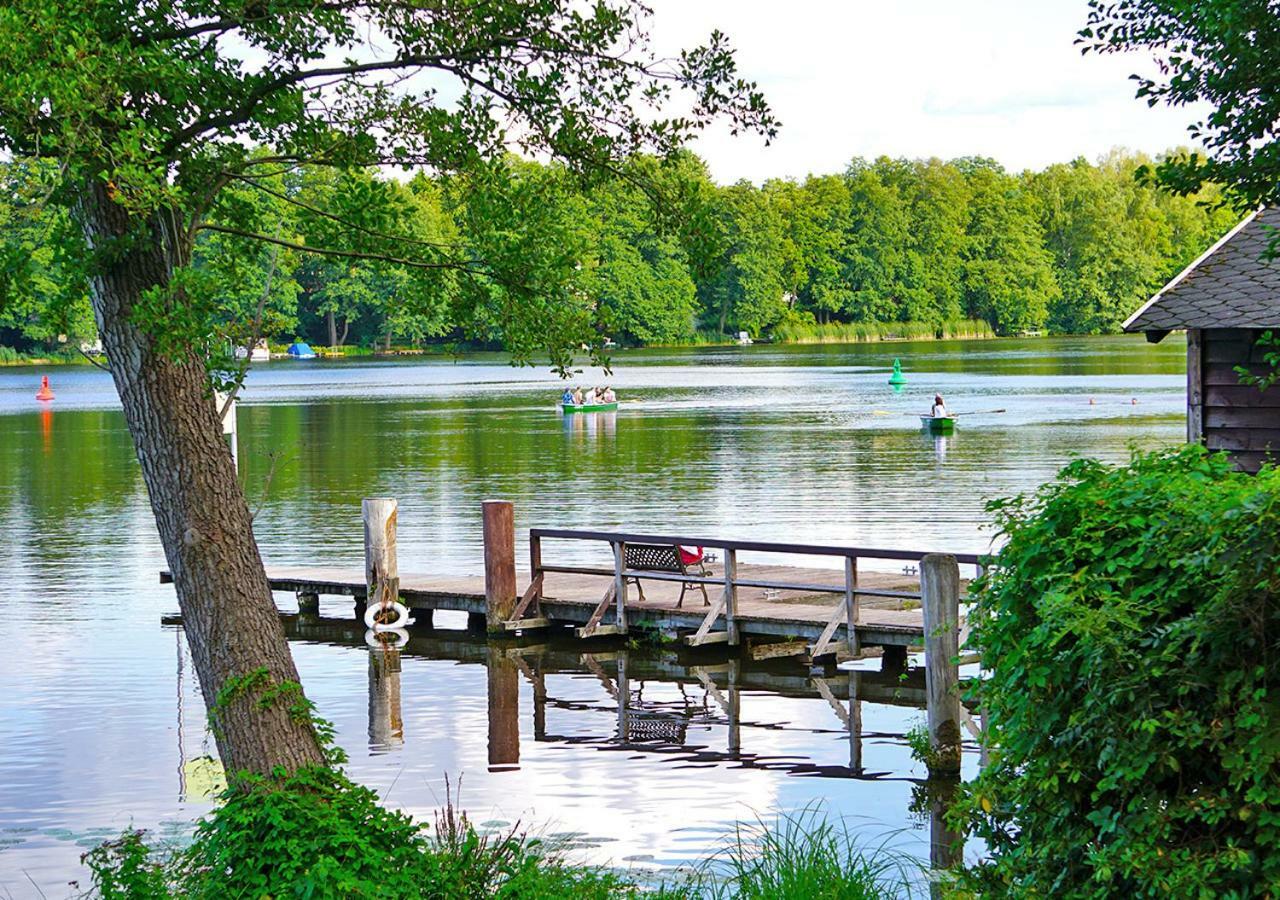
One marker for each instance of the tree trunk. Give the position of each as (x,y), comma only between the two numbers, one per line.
(228,614)
(346,326)
(333,330)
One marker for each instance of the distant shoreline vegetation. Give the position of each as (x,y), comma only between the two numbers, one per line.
(793,334)
(887,249)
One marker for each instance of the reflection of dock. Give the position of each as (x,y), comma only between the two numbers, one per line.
(712,695)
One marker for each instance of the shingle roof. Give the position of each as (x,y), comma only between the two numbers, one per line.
(1229,286)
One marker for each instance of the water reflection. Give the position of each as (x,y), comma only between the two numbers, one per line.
(504,711)
(386,721)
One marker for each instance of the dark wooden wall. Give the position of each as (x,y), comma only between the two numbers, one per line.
(1224,413)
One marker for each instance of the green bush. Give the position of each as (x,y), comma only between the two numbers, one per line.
(1131,629)
(318,835)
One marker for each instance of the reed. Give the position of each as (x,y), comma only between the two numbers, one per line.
(863,332)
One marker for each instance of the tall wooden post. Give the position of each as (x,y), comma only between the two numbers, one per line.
(499,562)
(940,597)
(381,570)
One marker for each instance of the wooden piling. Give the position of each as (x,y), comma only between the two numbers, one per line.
(499,562)
(940,598)
(381,570)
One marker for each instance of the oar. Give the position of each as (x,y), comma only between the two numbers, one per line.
(978,412)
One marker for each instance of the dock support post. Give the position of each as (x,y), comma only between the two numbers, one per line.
(940,597)
(381,570)
(499,562)
(855,724)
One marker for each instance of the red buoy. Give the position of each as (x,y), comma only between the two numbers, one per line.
(44,393)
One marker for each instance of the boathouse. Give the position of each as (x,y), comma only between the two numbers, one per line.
(1226,300)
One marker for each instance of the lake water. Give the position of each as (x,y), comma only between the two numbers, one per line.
(100,718)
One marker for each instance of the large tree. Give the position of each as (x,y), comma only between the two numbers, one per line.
(148,111)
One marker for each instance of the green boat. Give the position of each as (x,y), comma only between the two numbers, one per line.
(938,424)
(590,407)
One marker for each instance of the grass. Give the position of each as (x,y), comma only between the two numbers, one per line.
(862,332)
(802,855)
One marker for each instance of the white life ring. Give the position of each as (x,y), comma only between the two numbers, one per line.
(387,639)
(400,621)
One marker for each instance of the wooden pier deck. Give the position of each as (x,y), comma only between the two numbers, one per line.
(570,599)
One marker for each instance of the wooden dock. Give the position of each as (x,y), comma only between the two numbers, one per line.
(570,599)
(754,610)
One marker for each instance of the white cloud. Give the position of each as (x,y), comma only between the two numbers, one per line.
(997,78)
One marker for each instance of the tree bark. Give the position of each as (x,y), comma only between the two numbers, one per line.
(333,330)
(230,619)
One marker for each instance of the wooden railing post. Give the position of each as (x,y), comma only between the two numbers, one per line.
(535,556)
(852,602)
(940,598)
(381,571)
(499,562)
(620,584)
(731,594)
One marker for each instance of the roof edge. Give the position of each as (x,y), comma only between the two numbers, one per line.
(1195,264)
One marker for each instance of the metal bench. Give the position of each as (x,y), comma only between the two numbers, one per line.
(664,558)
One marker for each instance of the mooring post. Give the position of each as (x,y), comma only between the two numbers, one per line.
(940,597)
(499,562)
(381,571)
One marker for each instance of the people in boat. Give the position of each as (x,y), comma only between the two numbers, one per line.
(577,396)
(939,408)
(567,397)
(609,396)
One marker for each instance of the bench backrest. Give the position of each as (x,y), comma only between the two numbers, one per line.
(653,557)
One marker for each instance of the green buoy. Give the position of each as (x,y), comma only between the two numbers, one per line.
(897,378)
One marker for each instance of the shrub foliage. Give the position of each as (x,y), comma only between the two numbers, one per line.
(1131,629)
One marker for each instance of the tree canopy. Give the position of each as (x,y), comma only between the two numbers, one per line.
(1221,52)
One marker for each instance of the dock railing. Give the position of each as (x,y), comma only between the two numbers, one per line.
(848,613)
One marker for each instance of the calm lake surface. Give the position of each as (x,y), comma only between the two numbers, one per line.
(100,716)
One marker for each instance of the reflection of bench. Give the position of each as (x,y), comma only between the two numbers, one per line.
(664,558)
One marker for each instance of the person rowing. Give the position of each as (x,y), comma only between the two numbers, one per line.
(566,398)
(939,408)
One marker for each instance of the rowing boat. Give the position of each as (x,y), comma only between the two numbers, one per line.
(938,424)
(589,407)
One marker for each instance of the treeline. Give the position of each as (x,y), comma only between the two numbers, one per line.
(655,253)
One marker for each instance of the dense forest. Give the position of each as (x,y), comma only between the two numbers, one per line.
(655,253)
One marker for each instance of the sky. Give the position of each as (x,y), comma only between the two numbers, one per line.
(919,78)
